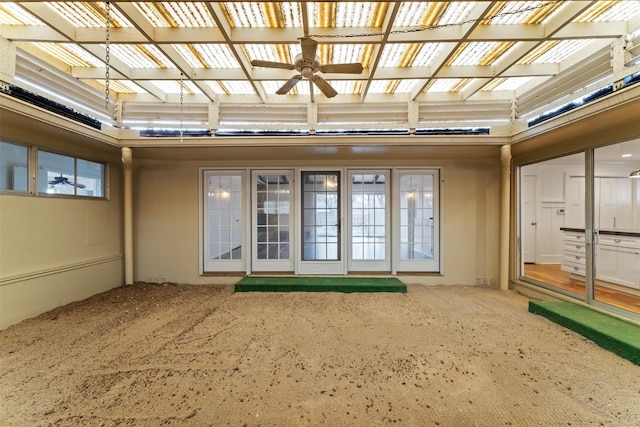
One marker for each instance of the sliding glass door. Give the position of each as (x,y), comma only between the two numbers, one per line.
(552,224)
(617,226)
(585,241)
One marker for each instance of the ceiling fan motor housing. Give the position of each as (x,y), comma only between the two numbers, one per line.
(306,68)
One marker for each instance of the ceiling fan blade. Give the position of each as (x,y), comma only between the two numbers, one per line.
(75,184)
(289,85)
(354,68)
(324,86)
(271,64)
(309,47)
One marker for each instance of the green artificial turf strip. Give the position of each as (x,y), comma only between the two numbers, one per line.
(611,333)
(319,284)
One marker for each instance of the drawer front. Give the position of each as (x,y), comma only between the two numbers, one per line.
(575,258)
(577,247)
(570,236)
(621,241)
(573,267)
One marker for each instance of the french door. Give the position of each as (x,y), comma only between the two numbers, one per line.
(320,221)
(321,237)
(272,220)
(369,220)
(418,228)
(223,221)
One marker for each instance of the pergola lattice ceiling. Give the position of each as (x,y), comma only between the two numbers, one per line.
(426,64)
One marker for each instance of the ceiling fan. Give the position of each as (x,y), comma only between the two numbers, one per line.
(64,181)
(307,64)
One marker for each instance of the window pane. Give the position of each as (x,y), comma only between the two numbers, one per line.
(14,167)
(320,216)
(225,217)
(90,178)
(56,173)
(416,217)
(368,232)
(617,222)
(552,223)
(272,205)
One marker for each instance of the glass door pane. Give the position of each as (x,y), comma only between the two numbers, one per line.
(617,226)
(418,220)
(321,243)
(553,246)
(272,219)
(223,222)
(369,221)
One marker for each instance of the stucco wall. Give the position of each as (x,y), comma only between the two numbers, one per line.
(166,218)
(56,250)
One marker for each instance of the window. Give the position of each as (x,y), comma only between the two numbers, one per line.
(14,167)
(59,174)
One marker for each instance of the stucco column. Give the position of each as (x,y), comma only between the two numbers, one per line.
(505,196)
(127,161)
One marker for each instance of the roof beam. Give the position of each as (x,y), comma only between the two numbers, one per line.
(42,11)
(225,29)
(387,25)
(148,32)
(475,16)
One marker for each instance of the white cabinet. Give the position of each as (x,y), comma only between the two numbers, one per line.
(618,260)
(617,256)
(616,206)
(573,253)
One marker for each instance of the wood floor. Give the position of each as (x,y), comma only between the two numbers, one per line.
(551,274)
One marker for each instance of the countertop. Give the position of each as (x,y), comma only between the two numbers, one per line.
(618,232)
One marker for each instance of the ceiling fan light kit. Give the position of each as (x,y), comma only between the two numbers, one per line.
(307,64)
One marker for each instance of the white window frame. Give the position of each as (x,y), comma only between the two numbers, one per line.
(72,177)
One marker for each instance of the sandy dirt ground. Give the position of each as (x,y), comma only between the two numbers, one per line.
(177,355)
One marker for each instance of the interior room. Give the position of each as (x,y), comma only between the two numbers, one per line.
(553,223)
(442,143)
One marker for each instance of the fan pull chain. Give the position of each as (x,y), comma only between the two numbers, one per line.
(107,53)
